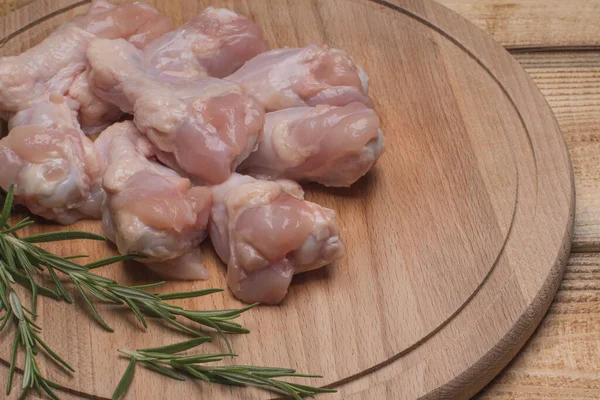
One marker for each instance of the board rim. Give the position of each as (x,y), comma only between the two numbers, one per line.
(469,381)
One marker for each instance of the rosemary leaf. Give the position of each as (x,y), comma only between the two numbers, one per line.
(178,347)
(7,207)
(13,364)
(164,371)
(62,235)
(149,285)
(125,381)
(93,309)
(110,260)
(187,295)
(53,355)
(138,314)
(18,226)
(76,256)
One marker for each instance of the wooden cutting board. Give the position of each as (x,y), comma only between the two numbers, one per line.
(456,242)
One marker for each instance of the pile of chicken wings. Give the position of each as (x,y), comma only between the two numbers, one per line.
(203,131)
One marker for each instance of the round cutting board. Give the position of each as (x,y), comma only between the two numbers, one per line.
(456,241)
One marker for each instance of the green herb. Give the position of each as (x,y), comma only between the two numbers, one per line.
(165,361)
(24,263)
(25,260)
(27,337)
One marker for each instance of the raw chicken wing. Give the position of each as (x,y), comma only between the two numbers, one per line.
(94,113)
(266,233)
(53,65)
(316,74)
(150,209)
(334,146)
(107,21)
(204,126)
(49,67)
(215,43)
(137,22)
(56,170)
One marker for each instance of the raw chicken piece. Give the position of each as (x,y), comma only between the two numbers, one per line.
(316,74)
(56,170)
(53,65)
(137,22)
(205,126)
(215,43)
(266,233)
(94,113)
(49,67)
(334,146)
(150,209)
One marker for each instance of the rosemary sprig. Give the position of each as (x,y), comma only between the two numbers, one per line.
(27,337)
(22,261)
(25,260)
(165,361)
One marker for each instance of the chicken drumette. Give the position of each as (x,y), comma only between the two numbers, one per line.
(150,209)
(313,75)
(266,232)
(334,146)
(55,168)
(54,65)
(214,43)
(204,126)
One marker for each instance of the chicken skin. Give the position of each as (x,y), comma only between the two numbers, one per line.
(53,65)
(317,74)
(266,233)
(214,43)
(150,209)
(203,126)
(55,168)
(334,146)
(94,113)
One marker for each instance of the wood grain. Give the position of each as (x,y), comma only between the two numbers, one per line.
(516,24)
(571,84)
(561,360)
(534,24)
(455,243)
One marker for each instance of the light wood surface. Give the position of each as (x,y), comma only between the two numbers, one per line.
(534,24)
(561,360)
(571,84)
(516,24)
(455,242)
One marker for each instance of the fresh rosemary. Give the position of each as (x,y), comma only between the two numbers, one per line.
(165,361)
(24,263)
(27,336)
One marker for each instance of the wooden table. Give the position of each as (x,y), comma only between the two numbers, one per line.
(558,43)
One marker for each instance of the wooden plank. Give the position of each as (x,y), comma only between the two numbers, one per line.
(571,84)
(514,23)
(562,360)
(534,23)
